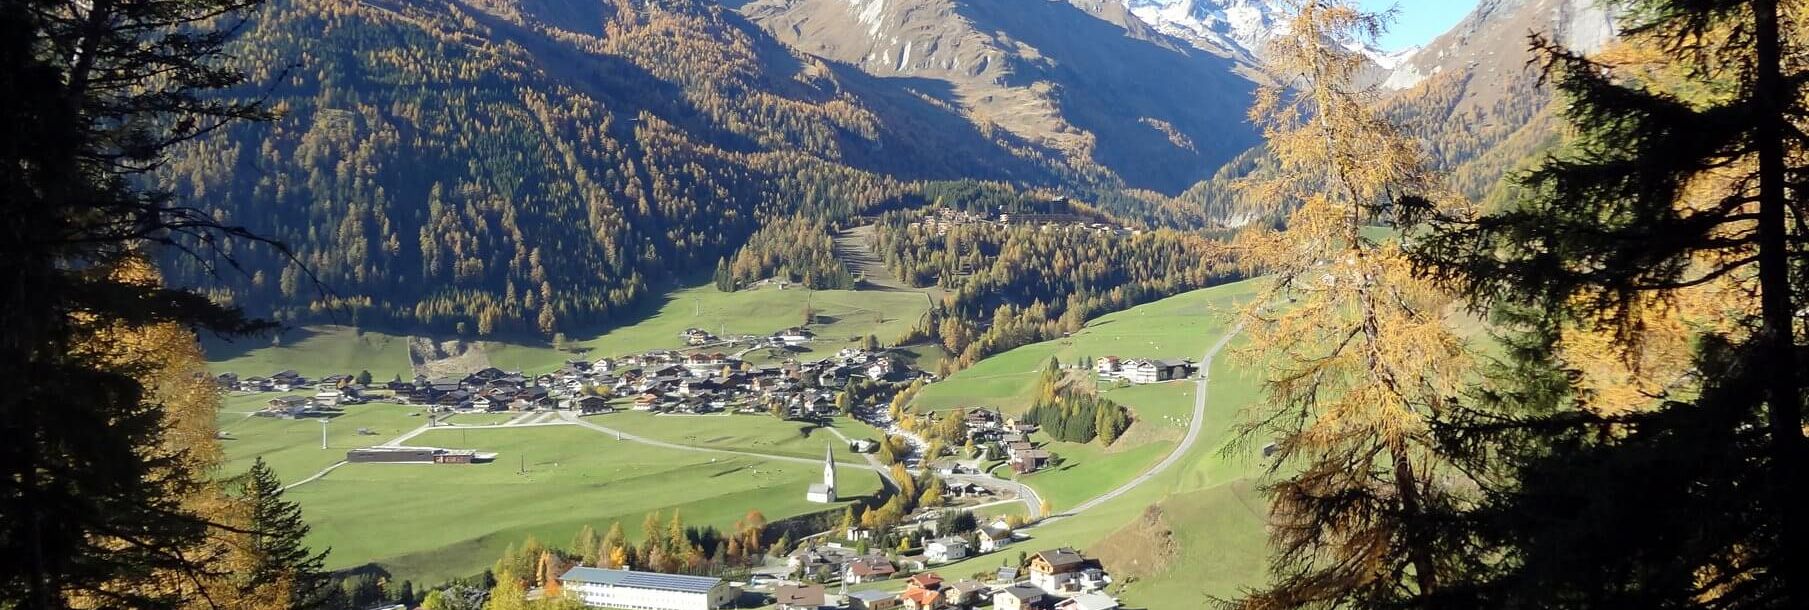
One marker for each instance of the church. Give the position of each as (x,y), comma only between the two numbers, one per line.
(824,493)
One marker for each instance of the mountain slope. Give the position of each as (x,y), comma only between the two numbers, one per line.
(1085,77)
(499,166)
(1473,94)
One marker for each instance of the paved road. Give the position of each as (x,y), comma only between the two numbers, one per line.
(1194,428)
(323,472)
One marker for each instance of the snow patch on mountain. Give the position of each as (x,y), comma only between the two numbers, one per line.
(1239,27)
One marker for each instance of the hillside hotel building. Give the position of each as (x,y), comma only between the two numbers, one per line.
(631,590)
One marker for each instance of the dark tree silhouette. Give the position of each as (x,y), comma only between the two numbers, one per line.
(96,92)
(1675,180)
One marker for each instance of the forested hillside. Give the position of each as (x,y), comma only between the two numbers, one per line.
(1009,285)
(535,166)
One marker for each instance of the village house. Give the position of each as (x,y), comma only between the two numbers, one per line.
(793,336)
(1139,370)
(946,549)
(818,560)
(327,399)
(872,600)
(965,593)
(1018,597)
(799,597)
(870,568)
(994,537)
(964,489)
(1029,460)
(288,407)
(592,404)
(924,592)
(1065,571)
(1088,601)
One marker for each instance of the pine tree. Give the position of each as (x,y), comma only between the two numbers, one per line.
(278,547)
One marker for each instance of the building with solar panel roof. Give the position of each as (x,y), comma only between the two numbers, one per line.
(631,590)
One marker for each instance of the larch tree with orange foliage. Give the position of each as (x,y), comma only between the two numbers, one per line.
(1355,344)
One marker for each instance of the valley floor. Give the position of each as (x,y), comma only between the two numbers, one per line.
(430,522)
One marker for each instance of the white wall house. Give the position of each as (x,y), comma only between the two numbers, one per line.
(631,590)
(944,550)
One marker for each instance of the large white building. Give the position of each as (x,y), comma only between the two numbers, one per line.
(824,493)
(631,590)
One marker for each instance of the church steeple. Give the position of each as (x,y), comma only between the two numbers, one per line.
(829,470)
(824,492)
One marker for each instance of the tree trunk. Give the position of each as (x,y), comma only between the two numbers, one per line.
(1777,335)
(1425,571)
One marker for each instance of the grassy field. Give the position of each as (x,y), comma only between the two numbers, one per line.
(1208,501)
(755,433)
(431,522)
(315,351)
(427,523)
(844,317)
(1088,470)
(292,446)
(1182,326)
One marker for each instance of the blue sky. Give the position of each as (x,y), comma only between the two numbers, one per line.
(1419,21)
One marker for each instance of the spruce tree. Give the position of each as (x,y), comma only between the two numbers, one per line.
(279,549)
(1681,184)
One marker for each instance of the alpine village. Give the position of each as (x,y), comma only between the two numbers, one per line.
(904,304)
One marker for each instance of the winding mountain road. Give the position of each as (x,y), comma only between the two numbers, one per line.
(1194,428)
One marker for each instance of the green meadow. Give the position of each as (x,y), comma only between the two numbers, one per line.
(430,522)
(314,351)
(753,433)
(1207,501)
(1182,326)
(292,446)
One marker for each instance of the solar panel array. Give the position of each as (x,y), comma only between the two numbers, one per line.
(668,582)
(643,580)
